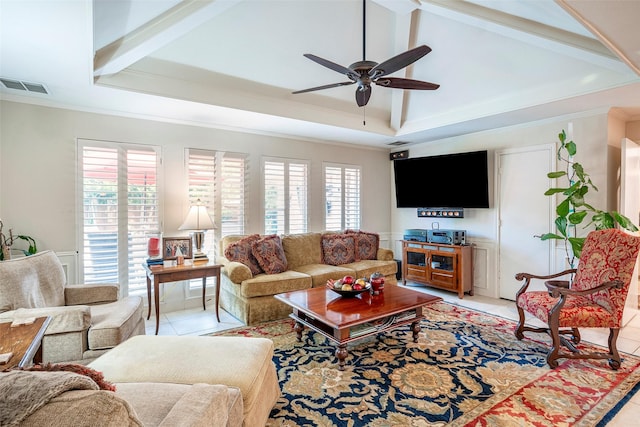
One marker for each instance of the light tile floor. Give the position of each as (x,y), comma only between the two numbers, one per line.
(199,322)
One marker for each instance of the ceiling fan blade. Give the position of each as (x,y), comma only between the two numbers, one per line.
(323,87)
(332,66)
(399,61)
(362,95)
(397,83)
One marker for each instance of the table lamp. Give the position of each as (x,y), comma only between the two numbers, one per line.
(198,221)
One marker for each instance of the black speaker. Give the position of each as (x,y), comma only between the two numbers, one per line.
(398,155)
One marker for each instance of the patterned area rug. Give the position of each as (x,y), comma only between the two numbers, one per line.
(467,369)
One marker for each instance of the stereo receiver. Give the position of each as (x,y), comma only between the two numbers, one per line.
(448,237)
(415,235)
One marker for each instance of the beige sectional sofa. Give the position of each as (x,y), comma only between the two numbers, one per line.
(71,399)
(159,381)
(249,296)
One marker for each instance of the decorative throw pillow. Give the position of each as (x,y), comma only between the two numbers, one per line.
(270,254)
(338,249)
(241,251)
(366,244)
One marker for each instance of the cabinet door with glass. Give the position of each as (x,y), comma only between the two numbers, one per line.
(415,262)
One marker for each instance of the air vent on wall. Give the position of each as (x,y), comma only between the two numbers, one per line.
(22,85)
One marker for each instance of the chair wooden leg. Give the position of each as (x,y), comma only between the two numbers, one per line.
(520,328)
(552,356)
(614,361)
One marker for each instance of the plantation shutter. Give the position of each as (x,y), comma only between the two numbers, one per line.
(119,209)
(352,198)
(342,197)
(233,194)
(285,196)
(218,179)
(298,196)
(201,168)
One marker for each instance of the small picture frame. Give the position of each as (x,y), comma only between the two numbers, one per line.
(174,246)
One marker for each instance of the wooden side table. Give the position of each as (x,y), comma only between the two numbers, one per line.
(161,274)
(24,341)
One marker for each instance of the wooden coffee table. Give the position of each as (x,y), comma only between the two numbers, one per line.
(24,341)
(343,320)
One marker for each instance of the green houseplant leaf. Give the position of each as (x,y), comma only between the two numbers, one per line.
(573,210)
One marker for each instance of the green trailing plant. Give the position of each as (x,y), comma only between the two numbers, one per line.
(8,240)
(574,209)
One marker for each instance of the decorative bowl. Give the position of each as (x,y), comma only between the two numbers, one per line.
(352,293)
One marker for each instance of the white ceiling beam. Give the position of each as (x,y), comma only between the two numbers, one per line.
(605,21)
(401,7)
(405,39)
(158,32)
(526,30)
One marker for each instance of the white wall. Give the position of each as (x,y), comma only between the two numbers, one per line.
(38,169)
(589,133)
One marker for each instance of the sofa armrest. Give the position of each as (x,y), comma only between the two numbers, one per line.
(90,294)
(237,272)
(63,319)
(384,254)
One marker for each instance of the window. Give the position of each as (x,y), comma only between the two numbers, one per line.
(342,197)
(119,210)
(285,196)
(218,179)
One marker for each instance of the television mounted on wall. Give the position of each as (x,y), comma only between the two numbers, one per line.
(459,180)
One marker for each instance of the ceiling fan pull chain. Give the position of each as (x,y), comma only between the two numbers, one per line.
(364,115)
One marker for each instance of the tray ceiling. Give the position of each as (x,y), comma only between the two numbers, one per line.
(234,63)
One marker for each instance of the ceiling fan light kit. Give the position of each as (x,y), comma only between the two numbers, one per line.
(364,73)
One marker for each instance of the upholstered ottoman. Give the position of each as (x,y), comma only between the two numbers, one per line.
(245,363)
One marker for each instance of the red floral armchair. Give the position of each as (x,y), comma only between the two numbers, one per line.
(595,298)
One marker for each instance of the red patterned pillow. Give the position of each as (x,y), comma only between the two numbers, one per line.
(241,251)
(338,249)
(366,244)
(270,254)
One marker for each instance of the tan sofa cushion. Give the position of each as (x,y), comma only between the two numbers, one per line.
(271,284)
(320,273)
(366,268)
(114,322)
(302,249)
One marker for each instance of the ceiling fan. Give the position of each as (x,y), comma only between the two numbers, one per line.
(364,73)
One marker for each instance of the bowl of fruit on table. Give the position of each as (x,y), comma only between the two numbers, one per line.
(349,286)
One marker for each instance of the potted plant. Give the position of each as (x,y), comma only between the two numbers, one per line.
(7,241)
(574,209)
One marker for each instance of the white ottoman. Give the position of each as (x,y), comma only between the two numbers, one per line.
(245,363)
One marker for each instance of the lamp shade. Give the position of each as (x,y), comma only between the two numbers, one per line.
(197,219)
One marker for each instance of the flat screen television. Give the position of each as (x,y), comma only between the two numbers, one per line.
(459,180)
